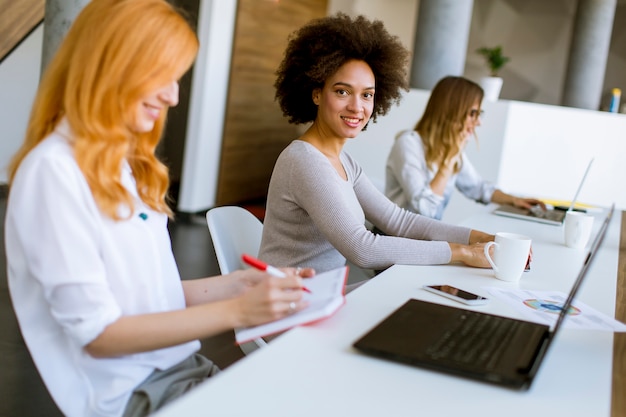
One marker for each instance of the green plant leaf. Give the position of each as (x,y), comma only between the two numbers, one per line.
(494,58)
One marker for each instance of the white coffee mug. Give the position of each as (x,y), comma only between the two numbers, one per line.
(577,229)
(510,255)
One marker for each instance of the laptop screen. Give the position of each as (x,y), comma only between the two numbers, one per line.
(587,262)
(580,186)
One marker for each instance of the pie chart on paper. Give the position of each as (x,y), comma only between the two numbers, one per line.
(549,306)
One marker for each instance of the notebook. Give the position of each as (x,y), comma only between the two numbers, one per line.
(553,216)
(326,296)
(506,351)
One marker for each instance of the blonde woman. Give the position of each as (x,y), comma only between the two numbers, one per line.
(111,327)
(426,164)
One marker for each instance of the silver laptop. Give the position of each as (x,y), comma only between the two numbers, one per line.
(553,216)
(481,346)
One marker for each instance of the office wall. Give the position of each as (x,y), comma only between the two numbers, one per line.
(19,76)
(535,34)
(255,131)
(399,16)
(236,130)
(371,147)
(526,149)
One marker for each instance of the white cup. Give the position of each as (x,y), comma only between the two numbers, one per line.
(510,255)
(577,229)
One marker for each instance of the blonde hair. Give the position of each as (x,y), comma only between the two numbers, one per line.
(116,52)
(444,118)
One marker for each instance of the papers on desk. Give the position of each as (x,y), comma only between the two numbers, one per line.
(578,205)
(326,297)
(544,307)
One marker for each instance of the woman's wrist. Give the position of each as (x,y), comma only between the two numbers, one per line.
(458,252)
(446,170)
(477,236)
(500,197)
(440,180)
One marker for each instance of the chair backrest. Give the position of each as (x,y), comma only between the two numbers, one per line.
(234,230)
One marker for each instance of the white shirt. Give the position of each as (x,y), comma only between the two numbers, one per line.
(407,179)
(72,271)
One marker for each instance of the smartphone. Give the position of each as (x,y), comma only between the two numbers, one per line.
(457,294)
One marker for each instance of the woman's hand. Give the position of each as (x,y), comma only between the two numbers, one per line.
(471,255)
(266,298)
(474,253)
(212,307)
(243,279)
(443,174)
(477,236)
(500,197)
(527,203)
(451,161)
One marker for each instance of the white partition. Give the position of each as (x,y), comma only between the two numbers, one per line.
(372,147)
(525,148)
(19,78)
(547,149)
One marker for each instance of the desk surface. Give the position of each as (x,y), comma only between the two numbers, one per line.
(313,370)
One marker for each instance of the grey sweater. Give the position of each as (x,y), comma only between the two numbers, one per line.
(316,219)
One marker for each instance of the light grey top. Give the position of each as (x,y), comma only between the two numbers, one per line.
(407,179)
(316,219)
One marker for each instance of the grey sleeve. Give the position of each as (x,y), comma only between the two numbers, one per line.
(422,241)
(396,221)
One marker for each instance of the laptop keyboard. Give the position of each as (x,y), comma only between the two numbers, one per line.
(475,339)
(555,215)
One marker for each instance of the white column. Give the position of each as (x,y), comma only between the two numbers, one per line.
(207,106)
(588,54)
(59,16)
(440,41)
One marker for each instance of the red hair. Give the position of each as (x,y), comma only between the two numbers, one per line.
(116,52)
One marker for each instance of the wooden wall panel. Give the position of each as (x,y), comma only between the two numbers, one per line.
(255,131)
(17,19)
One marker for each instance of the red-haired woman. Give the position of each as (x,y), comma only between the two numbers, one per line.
(110,325)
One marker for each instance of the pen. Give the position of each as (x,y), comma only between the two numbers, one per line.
(262,266)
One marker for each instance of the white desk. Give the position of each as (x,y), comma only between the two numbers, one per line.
(314,371)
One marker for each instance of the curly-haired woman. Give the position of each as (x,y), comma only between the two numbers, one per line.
(339,73)
(426,164)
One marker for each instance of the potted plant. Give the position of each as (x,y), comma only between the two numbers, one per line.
(492,85)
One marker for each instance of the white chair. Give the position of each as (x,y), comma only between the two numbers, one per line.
(234,231)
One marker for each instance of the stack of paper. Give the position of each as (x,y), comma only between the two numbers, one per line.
(326,297)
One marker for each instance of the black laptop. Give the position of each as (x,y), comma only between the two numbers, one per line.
(486,347)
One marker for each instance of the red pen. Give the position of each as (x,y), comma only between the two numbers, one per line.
(262,266)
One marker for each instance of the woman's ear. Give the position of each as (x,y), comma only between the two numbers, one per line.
(316,96)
